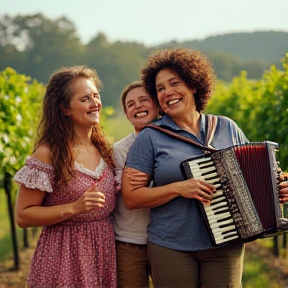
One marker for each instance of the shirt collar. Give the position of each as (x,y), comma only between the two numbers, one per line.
(167,121)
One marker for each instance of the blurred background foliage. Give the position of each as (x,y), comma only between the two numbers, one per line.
(35,45)
(251,89)
(251,72)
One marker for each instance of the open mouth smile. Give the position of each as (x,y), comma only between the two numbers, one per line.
(174,101)
(94,112)
(141,114)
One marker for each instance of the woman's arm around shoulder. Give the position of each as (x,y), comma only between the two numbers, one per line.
(137,194)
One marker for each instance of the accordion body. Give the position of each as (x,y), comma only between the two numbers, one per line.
(246,204)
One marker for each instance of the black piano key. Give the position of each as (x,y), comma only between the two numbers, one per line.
(211,164)
(224,225)
(205,162)
(209,172)
(221,212)
(224,219)
(215,198)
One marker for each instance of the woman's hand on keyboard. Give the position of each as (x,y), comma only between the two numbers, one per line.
(197,189)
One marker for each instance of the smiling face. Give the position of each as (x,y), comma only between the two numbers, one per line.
(85,104)
(174,96)
(140,108)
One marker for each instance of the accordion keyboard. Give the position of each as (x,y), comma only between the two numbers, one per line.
(217,212)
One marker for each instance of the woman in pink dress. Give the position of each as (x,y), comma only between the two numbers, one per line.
(67,186)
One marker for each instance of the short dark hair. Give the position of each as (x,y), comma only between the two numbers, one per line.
(127,89)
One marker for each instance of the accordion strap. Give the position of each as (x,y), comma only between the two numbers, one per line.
(211,123)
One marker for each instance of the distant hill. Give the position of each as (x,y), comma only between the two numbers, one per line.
(264,46)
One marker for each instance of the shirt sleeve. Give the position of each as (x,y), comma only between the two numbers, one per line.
(236,134)
(142,153)
(119,154)
(36,175)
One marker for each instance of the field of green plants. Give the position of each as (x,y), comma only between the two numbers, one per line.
(5,241)
(259,107)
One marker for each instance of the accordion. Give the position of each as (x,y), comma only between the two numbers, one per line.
(246,204)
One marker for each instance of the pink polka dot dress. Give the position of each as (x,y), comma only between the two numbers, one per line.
(79,252)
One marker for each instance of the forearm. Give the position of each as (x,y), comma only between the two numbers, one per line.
(38,216)
(136,194)
(146,197)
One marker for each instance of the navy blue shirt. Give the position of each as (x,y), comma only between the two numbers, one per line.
(177,224)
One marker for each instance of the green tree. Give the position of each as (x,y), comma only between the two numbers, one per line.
(258,106)
(37,46)
(19,108)
(117,64)
(271,120)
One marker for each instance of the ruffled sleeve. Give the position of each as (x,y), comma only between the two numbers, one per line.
(36,175)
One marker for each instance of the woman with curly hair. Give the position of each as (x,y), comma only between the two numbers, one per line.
(67,186)
(179,246)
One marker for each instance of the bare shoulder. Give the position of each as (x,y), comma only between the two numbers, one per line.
(42,153)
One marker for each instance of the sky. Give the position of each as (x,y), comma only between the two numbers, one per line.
(153,22)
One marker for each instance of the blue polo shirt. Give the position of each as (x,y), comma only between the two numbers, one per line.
(177,224)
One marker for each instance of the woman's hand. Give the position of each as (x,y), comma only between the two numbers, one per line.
(197,189)
(137,178)
(137,193)
(29,207)
(283,194)
(91,199)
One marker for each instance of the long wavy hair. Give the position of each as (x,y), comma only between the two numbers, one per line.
(56,130)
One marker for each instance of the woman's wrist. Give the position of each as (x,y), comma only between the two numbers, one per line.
(67,212)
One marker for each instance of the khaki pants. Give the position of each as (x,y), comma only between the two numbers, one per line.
(219,267)
(132,265)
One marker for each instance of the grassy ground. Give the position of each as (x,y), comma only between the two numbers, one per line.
(5,238)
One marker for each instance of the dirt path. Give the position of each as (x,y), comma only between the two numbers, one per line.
(16,279)
(278,265)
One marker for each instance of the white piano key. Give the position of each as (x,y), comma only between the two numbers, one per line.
(202,171)
(218,193)
(219,217)
(220,199)
(221,240)
(215,225)
(217,232)
(210,212)
(214,207)
(225,236)
(212,175)
(206,178)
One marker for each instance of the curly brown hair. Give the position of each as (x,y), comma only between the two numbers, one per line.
(192,67)
(56,129)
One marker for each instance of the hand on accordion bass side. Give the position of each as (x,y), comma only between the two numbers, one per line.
(283,193)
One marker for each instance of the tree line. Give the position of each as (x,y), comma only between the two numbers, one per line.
(35,45)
